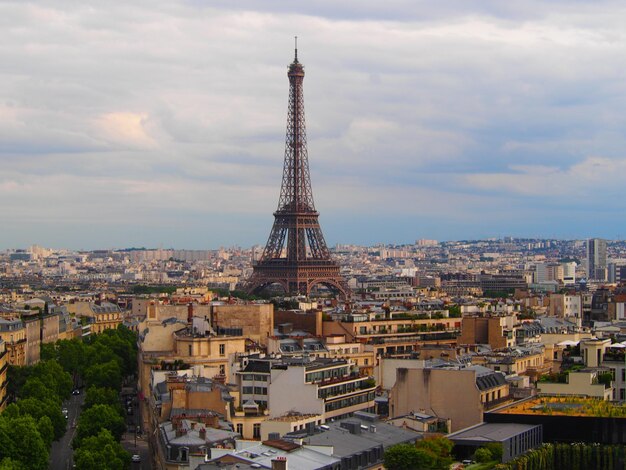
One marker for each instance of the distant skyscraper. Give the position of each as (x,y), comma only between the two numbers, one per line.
(596,259)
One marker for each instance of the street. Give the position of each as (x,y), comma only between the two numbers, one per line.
(61,451)
(134,444)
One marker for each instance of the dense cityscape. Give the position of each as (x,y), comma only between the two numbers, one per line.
(523,328)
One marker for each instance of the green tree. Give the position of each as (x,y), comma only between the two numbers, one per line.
(46,430)
(441,447)
(121,348)
(8,463)
(454,311)
(72,355)
(408,457)
(48,407)
(54,377)
(101,452)
(16,378)
(99,417)
(483,455)
(102,396)
(496,450)
(47,351)
(20,441)
(100,353)
(35,388)
(106,375)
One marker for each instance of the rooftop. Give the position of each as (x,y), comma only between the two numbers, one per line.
(564,406)
(370,433)
(490,432)
(294,417)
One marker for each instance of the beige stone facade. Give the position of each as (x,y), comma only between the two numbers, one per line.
(106,321)
(580,383)
(33,339)
(255,320)
(50,328)
(430,391)
(289,423)
(13,333)
(497,331)
(3,375)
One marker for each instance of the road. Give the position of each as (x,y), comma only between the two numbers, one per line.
(136,444)
(61,451)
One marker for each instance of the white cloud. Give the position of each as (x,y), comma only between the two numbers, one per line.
(594,177)
(150,108)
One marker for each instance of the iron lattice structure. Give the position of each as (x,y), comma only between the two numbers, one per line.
(296,255)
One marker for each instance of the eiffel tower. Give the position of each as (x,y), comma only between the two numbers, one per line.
(296,255)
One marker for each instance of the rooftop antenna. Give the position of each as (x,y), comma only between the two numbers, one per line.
(296,37)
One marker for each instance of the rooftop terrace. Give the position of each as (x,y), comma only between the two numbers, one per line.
(565,406)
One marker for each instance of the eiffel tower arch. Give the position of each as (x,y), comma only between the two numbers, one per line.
(296,255)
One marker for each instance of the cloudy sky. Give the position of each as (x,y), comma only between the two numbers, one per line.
(163,122)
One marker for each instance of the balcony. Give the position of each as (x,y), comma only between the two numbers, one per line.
(337,380)
(497,402)
(347,388)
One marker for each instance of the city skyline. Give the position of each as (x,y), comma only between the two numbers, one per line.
(163,123)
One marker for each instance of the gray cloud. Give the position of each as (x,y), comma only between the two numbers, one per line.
(153,116)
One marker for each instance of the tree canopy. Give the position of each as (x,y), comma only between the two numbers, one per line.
(21,442)
(101,452)
(427,454)
(96,418)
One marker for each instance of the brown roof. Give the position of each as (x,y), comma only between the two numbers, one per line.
(282,445)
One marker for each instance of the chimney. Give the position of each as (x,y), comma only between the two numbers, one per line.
(193,425)
(202,433)
(279,463)
(189,312)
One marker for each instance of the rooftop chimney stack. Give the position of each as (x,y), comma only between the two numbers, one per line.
(279,463)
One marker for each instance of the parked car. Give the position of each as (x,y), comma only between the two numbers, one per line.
(136,458)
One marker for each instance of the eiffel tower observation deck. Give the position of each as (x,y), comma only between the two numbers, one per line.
(296,256)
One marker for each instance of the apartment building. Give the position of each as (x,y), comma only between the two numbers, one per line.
(4,364)
(13,333)
(498,331)
(328,387)
(399,335)
(429,390)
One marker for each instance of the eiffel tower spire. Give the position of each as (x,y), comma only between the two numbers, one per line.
(296,255)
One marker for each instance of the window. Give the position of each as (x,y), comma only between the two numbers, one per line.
(622,394)
(248,390)
(260,391)
(240,429)
(367,361)
(222,369)
(256,431)
(623,375)
(190,350)
(222,349)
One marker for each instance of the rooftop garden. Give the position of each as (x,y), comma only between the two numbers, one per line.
(567,406)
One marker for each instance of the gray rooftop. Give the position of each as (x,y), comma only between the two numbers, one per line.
(490,432)
(345,443)
(300,458)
